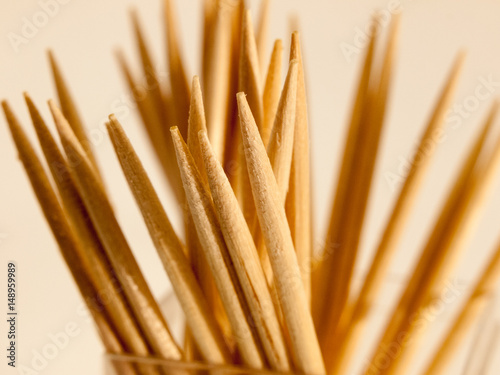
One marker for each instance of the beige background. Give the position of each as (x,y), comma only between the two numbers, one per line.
(83,35)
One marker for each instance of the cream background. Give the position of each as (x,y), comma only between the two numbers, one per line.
(83,35)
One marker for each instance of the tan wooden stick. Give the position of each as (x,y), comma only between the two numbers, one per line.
(280,147)
(93,254)
(245,259)
(198,261)
(202,323)
(154,89)
(261,36)
(177,74)
(473,308)
(442,249)
(394,227)
(326,273)
(216,73)
(372,121)
(298,203)
(272,218)
(68,107)
(135,287)
(160,109)
(250,84)
(272,90)
(218,258)
(279,151)
(65,237)
(149,116)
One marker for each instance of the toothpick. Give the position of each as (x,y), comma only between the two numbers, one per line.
(178,79)
(218,258)
(232,147)
(160,108)
(279,151)
(262,32)
(135,287)
(154,89)
(64,235)
(328,294)
(249,83)
(372,122)
(395,225)
(272,90)
(442,249)
(245,259)
(70,112)
(198,261)
(93,255)
(272,218)
(478,300)
(197,123)
(374,116)
(249,71)
(209,12)
(199,316)
(216,73)
(152,123)
(298,203)
(280,147)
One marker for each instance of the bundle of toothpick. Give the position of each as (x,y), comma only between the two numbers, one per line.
(234,148)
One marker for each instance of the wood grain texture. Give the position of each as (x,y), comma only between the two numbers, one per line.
(278,239)
(249,83)
(65,236)
(93,254)
(218,258)
(148,113)
(245,259)
(281,140)
(199,263)
(298,203)
(200,319)
(135,286)
(272,90)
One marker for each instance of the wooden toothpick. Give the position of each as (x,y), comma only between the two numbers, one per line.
(245,259)
(298,203)
(177,73)
(202,323)
(93,254)
(473,308)
(442,249)
(70,112)
(394,227)
(249,83)
(272,218)
(65,237)
(327,297)
(218,258)
(135,286)
(272,90)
